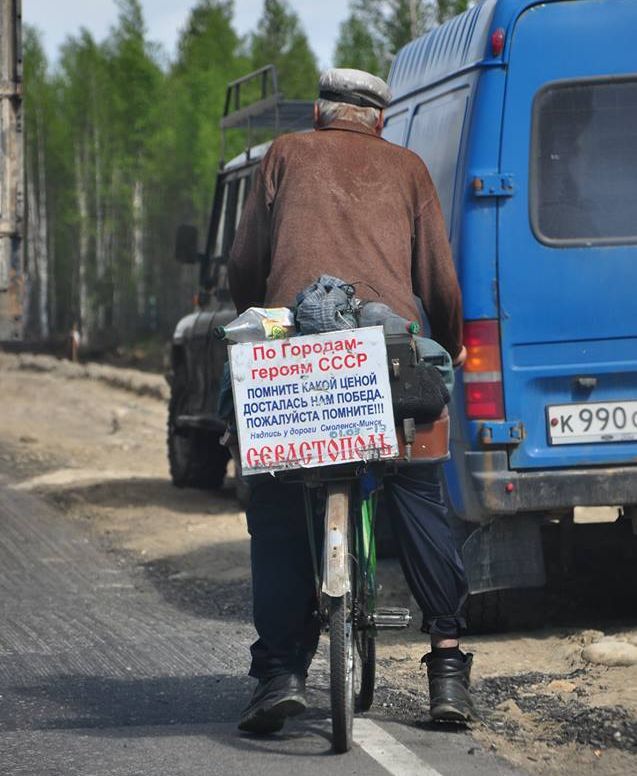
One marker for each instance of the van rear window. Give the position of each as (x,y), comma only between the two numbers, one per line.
(584,165)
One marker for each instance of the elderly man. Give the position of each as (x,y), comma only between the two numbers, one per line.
(344,202)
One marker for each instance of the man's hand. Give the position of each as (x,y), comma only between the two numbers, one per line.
(460,358)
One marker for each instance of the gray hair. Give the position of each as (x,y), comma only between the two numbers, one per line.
(332,111)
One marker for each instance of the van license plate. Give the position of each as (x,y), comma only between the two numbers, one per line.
(571,424)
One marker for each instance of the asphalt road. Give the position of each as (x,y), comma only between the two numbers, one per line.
(101,676)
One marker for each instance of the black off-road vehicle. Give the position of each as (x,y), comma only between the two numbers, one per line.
(196,356)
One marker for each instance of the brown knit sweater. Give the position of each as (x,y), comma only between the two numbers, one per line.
(342,201)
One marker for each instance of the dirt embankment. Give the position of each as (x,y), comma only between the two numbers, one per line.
(91,439)
(132,380)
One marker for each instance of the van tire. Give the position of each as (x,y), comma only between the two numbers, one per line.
(195,457)
(499,611)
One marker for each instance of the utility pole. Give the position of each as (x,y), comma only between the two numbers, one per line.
(11,173)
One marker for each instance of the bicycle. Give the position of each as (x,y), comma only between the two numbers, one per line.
(340,510)
(346,592)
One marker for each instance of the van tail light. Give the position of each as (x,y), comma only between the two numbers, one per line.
(482,373)
(498,39)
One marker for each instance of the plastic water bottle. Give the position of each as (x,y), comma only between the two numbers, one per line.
(379,314)
(258,323)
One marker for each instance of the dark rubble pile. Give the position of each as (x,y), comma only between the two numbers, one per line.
(601,727)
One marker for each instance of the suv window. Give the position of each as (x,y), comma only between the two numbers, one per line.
(584,162)
(235,193)
(220,226)
(244,190)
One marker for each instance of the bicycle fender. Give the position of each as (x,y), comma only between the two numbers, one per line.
(336,581)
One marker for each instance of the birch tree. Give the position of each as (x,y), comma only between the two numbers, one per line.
(82,92)
(136,82)
(37,105)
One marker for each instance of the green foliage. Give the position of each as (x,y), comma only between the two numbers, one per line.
(450,8)
(279,40)
(35,65)
(136,80)
(209,57)
(122,146)
(376,29)
(356,47)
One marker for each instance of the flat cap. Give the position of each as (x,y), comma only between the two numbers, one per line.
(355,87)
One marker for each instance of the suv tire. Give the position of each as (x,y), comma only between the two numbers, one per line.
(195,457)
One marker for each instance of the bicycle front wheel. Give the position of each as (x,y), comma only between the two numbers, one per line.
(343,655)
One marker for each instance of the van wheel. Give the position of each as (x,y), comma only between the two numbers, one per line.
(502,610)
(195,457)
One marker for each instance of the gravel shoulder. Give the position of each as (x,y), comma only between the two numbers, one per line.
(91,439)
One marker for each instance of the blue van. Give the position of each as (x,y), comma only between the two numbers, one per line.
(526,115)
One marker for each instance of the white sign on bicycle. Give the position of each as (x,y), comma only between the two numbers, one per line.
(315,400)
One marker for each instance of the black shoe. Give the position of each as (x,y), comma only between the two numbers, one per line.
(449,679)
(273,700)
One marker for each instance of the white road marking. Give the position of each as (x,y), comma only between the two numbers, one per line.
(391,754)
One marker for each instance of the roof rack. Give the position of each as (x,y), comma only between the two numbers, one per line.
(269,112)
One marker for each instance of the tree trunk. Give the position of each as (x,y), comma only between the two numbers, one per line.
(43,237)
(113,252)
(82,203)
(413,18)
(31,247)
(53,307)
(138,250)
(100,252)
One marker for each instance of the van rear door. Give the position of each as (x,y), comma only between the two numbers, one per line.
(567,242)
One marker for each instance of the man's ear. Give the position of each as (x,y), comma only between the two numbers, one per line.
(317,115)
(380,123)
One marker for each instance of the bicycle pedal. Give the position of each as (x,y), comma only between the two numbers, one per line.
(391,617)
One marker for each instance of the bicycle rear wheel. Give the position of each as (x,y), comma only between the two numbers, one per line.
(364,670)
(364,582)
(343,655)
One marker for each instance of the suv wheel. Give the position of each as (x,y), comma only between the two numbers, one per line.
(196,458)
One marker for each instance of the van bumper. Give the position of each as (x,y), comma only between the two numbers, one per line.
(501,491)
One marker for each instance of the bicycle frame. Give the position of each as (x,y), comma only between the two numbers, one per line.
(366,553)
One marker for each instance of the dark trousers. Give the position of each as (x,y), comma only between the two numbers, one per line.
(282,575)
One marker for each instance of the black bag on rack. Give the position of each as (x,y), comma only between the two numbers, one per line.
(417,388)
